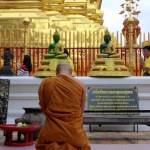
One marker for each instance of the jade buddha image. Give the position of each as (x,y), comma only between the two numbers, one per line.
(55,55)
(107,49)
(108,62)
(56,48)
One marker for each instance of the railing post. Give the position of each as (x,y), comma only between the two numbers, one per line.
(26,23)
(130,22)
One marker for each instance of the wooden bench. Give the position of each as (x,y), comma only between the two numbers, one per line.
(92,119)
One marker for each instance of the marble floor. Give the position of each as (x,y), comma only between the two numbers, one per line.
(104,141)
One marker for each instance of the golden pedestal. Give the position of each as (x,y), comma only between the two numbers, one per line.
(48,65)
(109,67)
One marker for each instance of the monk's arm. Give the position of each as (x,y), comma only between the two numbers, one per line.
(83,96)
(83,99)
(41,96)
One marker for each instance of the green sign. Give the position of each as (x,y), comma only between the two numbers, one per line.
(113,100)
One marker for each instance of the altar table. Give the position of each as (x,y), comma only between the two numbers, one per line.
(26,131)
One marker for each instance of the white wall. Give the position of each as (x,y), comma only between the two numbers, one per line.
(23,92)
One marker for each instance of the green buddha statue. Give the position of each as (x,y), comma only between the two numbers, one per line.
(56,54)
(108,62)
(107,49)
(56,49)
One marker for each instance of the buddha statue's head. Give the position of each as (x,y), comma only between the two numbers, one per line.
(107,37)
(56,37)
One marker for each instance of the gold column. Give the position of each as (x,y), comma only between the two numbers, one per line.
(26,23)
(130,23)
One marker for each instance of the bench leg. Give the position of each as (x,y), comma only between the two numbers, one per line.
(133,128)
(137,128)
(90,128)
(19,137)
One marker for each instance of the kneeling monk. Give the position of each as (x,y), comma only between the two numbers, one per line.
(62,100)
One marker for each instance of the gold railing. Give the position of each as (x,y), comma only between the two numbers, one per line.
(42,38)
(82,58)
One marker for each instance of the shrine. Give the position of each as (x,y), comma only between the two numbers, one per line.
(53,31)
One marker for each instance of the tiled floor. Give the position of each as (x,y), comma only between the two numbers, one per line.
(104,141)
(119,137)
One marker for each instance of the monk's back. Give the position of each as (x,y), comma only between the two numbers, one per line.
(63,94)
(61,101)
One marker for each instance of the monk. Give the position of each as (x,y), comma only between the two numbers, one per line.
(62,100)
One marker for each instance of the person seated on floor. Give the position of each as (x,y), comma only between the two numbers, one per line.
(62,100)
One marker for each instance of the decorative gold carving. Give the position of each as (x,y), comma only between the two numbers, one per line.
(45,18)
(26,23)
(62,6)
(52,5)
(109,67)
(109,73)
(48,67)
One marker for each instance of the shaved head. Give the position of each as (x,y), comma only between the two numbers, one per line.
(64,68)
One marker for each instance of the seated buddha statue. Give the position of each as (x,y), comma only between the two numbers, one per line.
(107,49)
(108,62)
(56,49)
(56,54)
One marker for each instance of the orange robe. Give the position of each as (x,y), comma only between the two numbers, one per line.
(60,100)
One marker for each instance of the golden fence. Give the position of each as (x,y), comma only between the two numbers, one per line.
(82,58)
(83,46)
(42,38)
